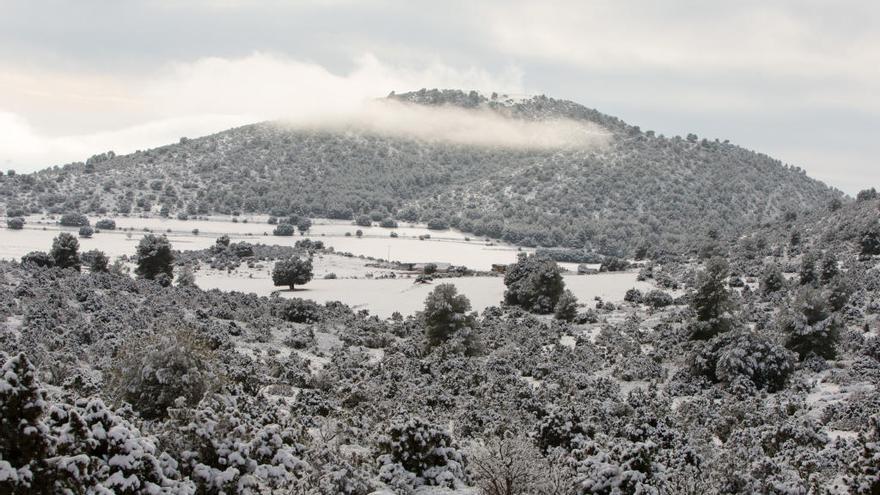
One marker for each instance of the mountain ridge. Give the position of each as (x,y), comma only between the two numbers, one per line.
(642,189)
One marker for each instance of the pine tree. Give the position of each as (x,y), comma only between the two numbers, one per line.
(154,257)
(65,251)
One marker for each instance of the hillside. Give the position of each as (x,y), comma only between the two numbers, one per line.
(637,189)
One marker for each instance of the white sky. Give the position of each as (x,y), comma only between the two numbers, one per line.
(795,79)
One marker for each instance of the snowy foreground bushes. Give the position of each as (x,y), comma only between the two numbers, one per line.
(112,384)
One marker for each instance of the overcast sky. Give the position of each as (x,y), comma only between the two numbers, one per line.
(798,80)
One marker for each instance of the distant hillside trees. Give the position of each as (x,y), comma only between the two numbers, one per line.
(292,272)
(867,195)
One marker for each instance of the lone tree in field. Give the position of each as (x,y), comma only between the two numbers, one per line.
(285,230)
(65,251)
(15,223)
(154,257)
(534,283)
(304,225)
(291,272)
(446,314)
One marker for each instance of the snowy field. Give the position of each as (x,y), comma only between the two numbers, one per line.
(357,285)
(449,246)
(383,296)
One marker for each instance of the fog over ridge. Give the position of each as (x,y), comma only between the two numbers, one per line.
(456,125)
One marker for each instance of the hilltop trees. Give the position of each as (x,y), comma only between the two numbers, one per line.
(533,283)
(65,251)
(154,257)
(293,271)
(446,316)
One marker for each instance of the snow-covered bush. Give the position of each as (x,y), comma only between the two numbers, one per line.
(560,428)
(509,465)
(744,355)
(566,307)
(423,450)
(864,476)
(299,310)
(162,369)
(236,444)
(86,448)
(627,468)
(658,299)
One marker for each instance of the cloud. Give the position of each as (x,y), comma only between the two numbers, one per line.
(824,54)
(206,96)
(472,127)
(23,149)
